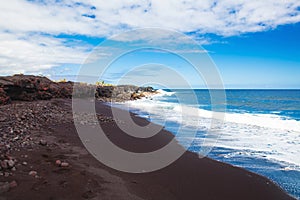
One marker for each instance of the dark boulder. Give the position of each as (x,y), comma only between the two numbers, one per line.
(145,89)
(105,91)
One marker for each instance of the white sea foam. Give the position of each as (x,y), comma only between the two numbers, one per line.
(265,135)
(163,93)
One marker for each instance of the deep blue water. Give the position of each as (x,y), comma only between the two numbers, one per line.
(261,132)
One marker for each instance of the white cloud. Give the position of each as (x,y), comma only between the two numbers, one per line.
(20,54)
(225,17)
(27,28)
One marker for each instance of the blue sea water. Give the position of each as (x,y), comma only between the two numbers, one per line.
(260,131)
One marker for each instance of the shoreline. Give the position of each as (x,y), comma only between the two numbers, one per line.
(187,178)
(191,157)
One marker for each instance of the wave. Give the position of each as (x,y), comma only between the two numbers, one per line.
(165,109)
(161,93)
(271,136)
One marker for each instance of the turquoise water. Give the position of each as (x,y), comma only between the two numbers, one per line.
(261,130)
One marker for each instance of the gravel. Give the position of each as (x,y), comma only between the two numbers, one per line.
(21,129)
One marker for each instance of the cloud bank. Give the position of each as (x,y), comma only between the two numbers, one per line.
(29,29)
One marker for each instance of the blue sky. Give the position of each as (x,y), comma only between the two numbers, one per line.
(269,59)
(254,44)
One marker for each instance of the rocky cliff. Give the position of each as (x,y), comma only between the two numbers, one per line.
(30,88)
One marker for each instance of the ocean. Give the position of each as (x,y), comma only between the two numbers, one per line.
(260,131)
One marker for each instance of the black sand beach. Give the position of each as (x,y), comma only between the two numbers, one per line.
(86,178)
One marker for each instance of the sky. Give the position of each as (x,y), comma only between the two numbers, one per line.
(251,44)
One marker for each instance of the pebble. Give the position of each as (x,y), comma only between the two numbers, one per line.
(64,164)
(10,163)
(4,164)
(13,184)
(43,142)
(16,138)
(27,116)
(32,173)
(58,162)
(2,119)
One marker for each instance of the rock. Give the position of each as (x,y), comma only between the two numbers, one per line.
(3,118)
(64,164)
(10,163)
(13,184)
(122,92)
(24,163)
(58,162)
(16,138)
(4,164)
(105,91)
(32,173)
(135,96)
(28,88)
(43,142)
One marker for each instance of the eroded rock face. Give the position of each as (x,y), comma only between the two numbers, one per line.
(29,88)
(105,91)
(122,92)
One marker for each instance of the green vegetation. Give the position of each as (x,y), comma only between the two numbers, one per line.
(102,83)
